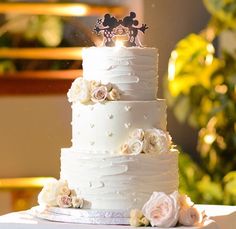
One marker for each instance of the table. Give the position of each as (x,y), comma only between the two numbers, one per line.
(221,217)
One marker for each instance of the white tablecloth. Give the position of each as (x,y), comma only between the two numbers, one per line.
(221,217)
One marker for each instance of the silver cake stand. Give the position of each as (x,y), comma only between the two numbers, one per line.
(83,216)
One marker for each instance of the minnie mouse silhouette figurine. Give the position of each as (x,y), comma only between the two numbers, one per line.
(110,27)
(129,22)
(109,24)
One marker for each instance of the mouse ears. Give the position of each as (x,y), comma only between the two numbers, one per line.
(124,29)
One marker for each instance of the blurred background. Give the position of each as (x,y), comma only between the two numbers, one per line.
(40,55)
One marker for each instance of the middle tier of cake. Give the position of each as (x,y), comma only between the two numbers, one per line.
(104,127)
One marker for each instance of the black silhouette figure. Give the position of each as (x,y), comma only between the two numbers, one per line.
(109,24)
(129,22)
(111,27)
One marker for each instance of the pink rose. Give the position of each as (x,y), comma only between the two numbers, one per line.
(64,201)
(162,210)
(190,216)
(99,94)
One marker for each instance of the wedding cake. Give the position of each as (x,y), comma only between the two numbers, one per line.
(122,157)
(121,150)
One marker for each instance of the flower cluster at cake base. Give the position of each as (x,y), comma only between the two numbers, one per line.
(147,141)
(86,91)
(165,211)
(56,193)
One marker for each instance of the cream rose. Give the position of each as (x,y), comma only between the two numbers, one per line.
(162,210)
(135,222)
(77,202)
(113,95)
(185,201)
(135,146)
(99,94)
(79,91)
(144,221)
(64,201)
(156,141)
(50,191)
(94,84)
(136,213)
(190,216)
(125,149)
(138,134)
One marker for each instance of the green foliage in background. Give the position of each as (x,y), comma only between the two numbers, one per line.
(202,92)
(25,30)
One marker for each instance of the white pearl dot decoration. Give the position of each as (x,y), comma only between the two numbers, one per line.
(127,108)
(110,116)
(127,125)
(145,117)
(109,134)
(92,143)
(92,125)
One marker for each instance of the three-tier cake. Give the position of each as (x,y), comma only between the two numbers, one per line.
(106,165)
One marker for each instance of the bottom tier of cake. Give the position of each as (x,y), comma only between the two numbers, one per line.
(119,182)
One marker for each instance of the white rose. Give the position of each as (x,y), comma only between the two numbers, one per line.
(135,146)
(185,201)
(79,91)
(50,191)
(64,201)
(99,94)
(162,210)
(113,95)
(156,141)
(77,202)
(190,216)
(137,134)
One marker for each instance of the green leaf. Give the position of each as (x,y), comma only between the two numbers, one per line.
(224,11)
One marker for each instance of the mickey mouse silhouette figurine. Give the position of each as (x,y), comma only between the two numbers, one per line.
(129,22)
(109,24)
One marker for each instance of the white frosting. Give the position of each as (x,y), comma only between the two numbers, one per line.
(105,127)
(119,182)
(133,70)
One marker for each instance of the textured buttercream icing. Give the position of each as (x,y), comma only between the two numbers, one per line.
(133,70)
(119,182)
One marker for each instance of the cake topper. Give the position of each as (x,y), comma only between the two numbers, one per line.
(112,28)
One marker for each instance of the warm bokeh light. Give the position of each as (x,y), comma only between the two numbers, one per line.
(119,43)
(209,57)
(171,66)
(209,138)
(222,89)
(60,9)
(25,182)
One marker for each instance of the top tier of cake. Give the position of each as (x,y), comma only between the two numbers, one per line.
(133,70)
